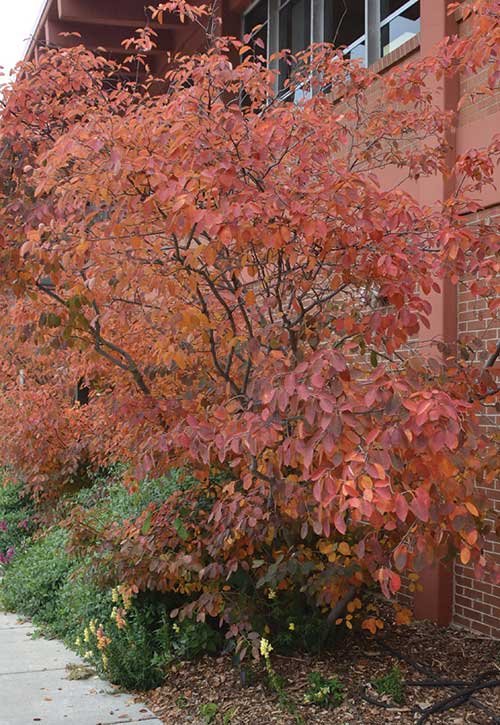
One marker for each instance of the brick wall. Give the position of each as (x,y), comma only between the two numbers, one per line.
(483,104)
(477,604)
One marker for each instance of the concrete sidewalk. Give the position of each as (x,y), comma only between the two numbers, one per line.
(34,687)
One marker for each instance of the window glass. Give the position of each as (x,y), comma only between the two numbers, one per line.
(344,21)
(258,15)
(358,51)
(400,22)
(294,30)
(295,25)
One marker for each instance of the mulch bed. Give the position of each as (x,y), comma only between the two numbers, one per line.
(423,651)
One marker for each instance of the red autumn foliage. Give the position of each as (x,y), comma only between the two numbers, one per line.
(242,293)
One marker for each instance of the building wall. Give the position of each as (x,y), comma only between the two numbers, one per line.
(476,603)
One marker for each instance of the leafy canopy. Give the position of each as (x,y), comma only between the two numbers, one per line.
(239,288)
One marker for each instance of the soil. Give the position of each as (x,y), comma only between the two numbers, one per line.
(421,650)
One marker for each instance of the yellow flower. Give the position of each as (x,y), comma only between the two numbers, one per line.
(86,634)
(265,647)
(176,628)
(271,594)
(104,660)
(291,627)
(78,641)
(88,654)
(92,626)
(115,595)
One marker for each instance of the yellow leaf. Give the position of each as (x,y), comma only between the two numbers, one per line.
(365,482)
(403,616)
(353,605)
(370,625)
(326,547)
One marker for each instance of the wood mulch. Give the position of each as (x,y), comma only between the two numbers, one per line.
(423,652)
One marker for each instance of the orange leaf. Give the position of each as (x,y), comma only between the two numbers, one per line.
(471,508)
(465,556)
(344,548)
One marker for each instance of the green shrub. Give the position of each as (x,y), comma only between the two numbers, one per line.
(192,639)
(391,685)
(134,641)
(129,640)
(16,520)
(79,601)
(32,581)
(131,643)
(324,691)
(294,624)
(110,500)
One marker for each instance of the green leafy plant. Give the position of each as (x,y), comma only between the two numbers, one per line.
(131,640)
(16,520)
(190,639)
(209,711)
(391,685)
(33,579)
(277,682)
(182,702)
(324,691)
(132,645)
(296,624)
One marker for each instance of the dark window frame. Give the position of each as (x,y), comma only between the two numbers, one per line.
(374,26)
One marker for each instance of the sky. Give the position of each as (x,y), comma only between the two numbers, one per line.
(17,22)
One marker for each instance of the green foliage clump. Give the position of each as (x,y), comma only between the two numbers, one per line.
(192,639)
(391,685)
(78,601)
(129,639)
(131,643)
(209,711)
(134,640)
(16,520)
(295,624)
(324,691)
(108,499)
(32,581)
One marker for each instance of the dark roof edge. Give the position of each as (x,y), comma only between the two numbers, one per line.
(42,17)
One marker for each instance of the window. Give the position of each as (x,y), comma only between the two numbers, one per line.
(367,29)
(344,25)
(398,23)
(294,22)
(257,14)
